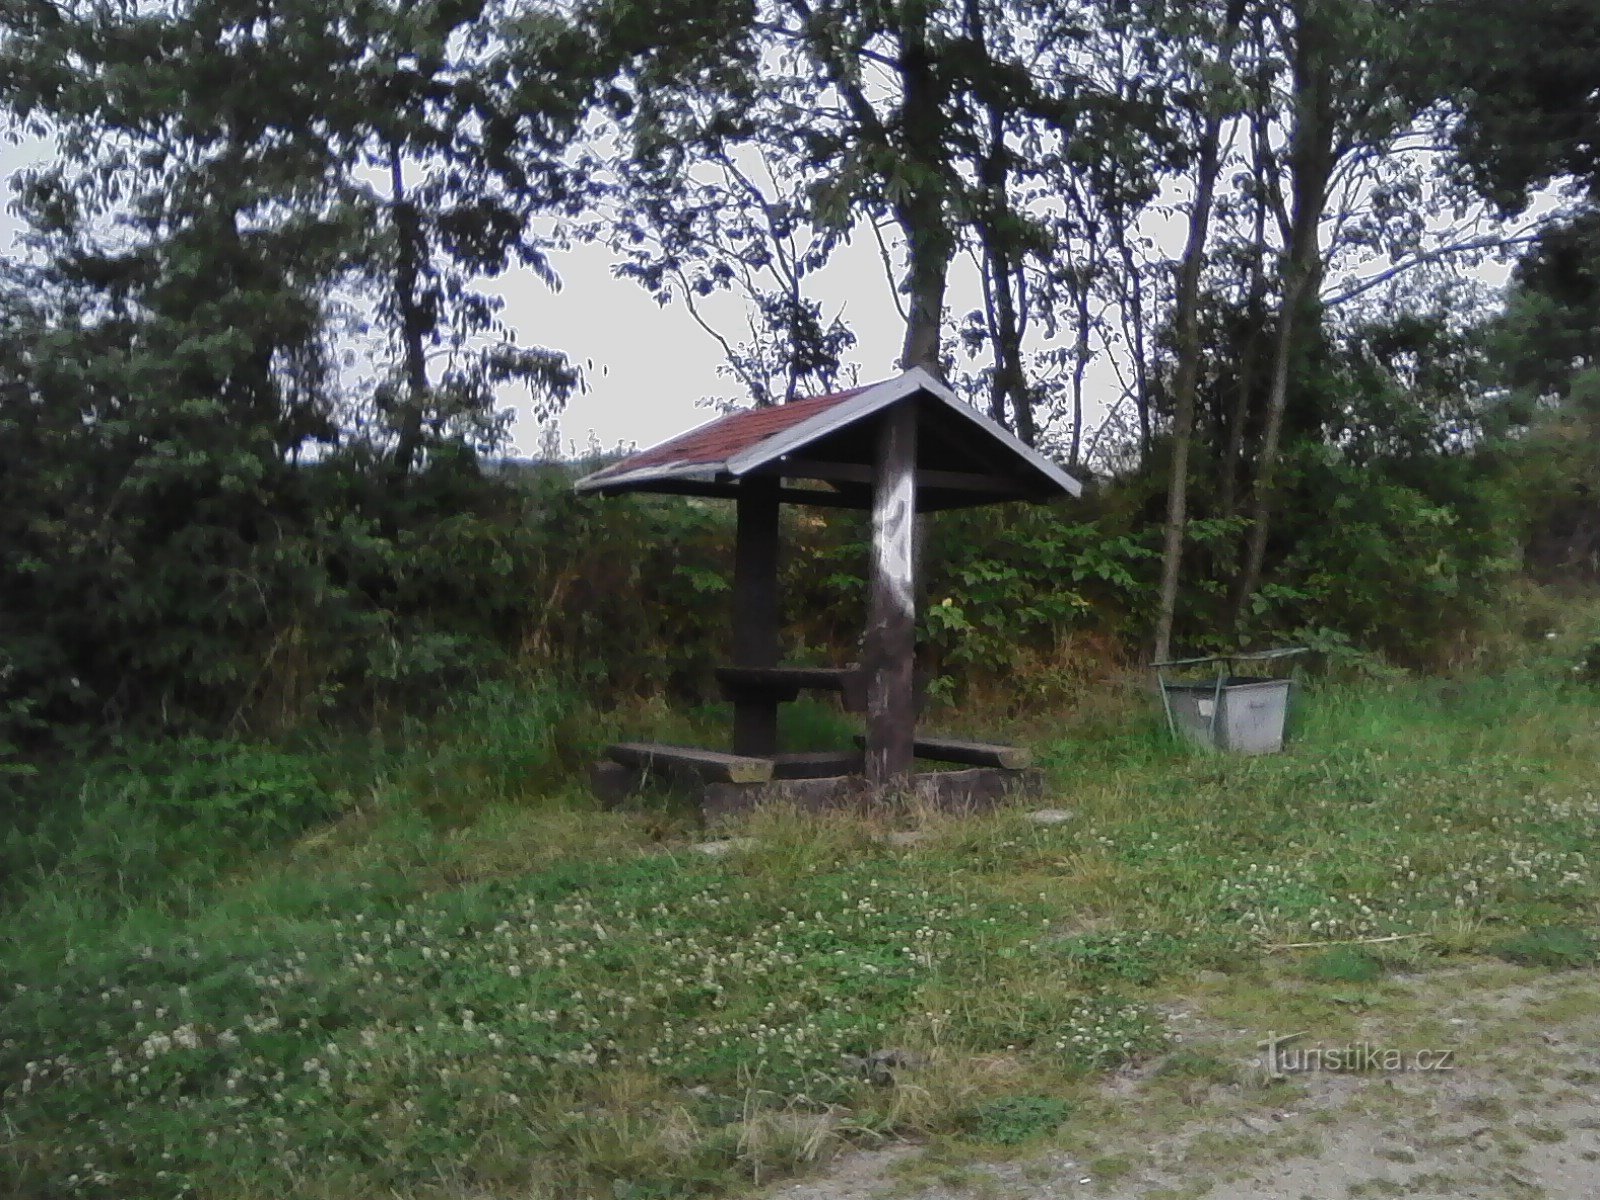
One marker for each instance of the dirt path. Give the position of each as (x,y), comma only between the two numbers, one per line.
(1513,1113)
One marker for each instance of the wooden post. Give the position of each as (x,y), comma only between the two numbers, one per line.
(755,613)
(890,644)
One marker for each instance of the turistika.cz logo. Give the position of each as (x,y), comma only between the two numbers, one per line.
(1281,1057)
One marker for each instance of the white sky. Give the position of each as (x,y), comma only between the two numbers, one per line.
(649,368)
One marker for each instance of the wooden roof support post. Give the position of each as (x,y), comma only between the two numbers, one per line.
(755,613)
(891,620)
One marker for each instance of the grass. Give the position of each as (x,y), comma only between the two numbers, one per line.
(1012,1120)
(474,984)
(1345,964)
(1559,948)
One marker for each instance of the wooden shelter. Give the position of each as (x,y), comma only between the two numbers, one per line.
(898,447)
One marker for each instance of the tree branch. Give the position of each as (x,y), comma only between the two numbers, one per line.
(1490,242)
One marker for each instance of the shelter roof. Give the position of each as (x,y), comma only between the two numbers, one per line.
(963,457)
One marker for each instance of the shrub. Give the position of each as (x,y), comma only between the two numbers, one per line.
(1556,947)
(160,813)
(1344,964)
(1012,1120)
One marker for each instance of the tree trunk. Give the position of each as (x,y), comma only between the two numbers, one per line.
(921,214)
(1004,284)
(1311,160)
(414,323)
(1010,395)
(1084,319)
(1009,402)
(1260,508)
(925,286)
(1250,356)
(1187,322)
(1131,302)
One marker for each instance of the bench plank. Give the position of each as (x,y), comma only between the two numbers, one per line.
(710,766)
(973,790)
(975,754)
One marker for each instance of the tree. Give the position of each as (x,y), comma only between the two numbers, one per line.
(1349,67)
(1212,108)
(241,190)
(720,205)
(396,152)
(1524,77)
(1524,80)
(937,120)
(1060,185)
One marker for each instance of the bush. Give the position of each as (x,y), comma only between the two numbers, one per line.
(1556,947)
(1344,964)
(159,813)
(355,598)
(1012,1120)
(1399,557)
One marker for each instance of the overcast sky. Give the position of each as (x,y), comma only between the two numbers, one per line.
(649,368)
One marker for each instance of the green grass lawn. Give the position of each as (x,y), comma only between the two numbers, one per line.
(475,984)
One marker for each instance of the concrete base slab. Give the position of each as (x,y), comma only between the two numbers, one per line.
(975,790)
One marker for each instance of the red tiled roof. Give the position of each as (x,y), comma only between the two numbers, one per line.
(719,440)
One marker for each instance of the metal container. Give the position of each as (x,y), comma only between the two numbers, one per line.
(1241,714)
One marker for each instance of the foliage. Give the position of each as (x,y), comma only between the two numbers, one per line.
(152,817)
(250,367)
(216,520)
(380,154)
(207,613)
(1547,364)
(1344,964)
(1400,560)
(1012,1120)
(1027,578)
(1556,947)
(1526,79)
(391,608)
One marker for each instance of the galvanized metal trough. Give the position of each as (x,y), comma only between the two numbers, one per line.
(1240,714)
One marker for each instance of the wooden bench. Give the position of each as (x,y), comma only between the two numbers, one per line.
(974,754)
(632,764)
(690,762)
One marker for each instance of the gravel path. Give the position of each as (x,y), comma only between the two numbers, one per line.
(1517,1115)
